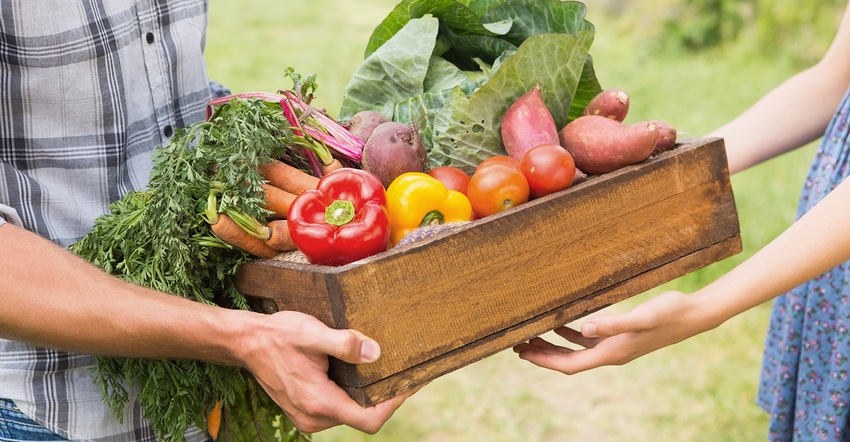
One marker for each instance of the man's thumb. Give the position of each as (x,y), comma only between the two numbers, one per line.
(354,347)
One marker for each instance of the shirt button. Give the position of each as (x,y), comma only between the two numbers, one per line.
(168,131)
(149,37)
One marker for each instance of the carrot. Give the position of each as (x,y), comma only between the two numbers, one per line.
(230,232)
(277,200)
(214,420)
(281,240)
(288,178)
(334,165)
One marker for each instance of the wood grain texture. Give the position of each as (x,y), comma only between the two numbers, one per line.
(447,301)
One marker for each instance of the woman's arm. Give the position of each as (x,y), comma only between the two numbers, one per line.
(795,112)
(51,297)
(817,242)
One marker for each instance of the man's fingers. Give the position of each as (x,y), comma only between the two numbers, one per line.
(366,419)
(346,345)
(380,413)
(334,407)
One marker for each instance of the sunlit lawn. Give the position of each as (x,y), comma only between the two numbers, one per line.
(700,390)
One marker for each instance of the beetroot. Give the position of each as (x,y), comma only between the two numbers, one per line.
(393,149)
(528,123)
(363,123)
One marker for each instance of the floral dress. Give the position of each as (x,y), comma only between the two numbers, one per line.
(804,381)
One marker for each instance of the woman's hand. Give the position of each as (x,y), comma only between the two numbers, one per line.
(617,339)
(815,243)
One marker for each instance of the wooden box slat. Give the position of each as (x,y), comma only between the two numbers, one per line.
(447,301)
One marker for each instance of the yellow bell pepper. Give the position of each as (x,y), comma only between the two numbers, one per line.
(416,199)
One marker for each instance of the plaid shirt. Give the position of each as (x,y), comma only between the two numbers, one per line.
(88,88)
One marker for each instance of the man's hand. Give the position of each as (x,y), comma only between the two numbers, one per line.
(288,354)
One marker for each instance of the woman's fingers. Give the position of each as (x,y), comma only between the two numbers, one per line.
(577,337)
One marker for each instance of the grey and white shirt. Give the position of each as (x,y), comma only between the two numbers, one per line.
(88,88)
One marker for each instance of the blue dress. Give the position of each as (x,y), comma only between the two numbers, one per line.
(805,379)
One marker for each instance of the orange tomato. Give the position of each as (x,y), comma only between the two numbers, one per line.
(497,186)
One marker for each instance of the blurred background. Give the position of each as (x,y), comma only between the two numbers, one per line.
(694,63)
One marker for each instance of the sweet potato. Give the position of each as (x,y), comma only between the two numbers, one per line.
(527,123)
(610,103)
(601,145)
(580,176)
(666,137)
(393,149)
(363,123)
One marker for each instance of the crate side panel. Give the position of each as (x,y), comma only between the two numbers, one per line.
(291,289)
(421,374)
(448,295)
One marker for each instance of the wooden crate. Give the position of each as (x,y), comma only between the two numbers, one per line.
(442,303)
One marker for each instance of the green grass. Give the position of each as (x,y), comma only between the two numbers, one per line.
(250,43)
(700,390)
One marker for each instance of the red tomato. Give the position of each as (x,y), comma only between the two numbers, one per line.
(451,177)
(496,187)
(548,169)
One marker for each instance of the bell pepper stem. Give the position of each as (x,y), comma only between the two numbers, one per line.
(433,218)
(339,212)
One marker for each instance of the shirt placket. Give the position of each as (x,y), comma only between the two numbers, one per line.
(156,66)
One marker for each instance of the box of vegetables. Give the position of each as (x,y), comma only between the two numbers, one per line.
(448,86)
(445,301)
(478,188)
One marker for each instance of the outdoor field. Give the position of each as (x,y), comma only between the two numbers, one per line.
(700,390)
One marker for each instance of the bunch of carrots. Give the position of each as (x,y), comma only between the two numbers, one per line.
(327,146)
(217,187)
(284,183)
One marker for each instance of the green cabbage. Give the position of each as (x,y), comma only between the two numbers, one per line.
(452,67)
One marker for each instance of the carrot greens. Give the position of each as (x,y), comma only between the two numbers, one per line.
(160,238)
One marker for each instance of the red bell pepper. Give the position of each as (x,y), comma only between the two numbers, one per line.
(341,221)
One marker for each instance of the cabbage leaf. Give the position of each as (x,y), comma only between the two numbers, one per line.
(452,67)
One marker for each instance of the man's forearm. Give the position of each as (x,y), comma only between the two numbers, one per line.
(50,297)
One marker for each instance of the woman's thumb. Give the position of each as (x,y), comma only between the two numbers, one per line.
(611,325)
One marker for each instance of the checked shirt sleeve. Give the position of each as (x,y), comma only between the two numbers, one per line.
(88,89)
